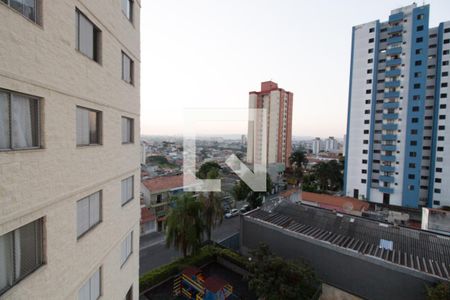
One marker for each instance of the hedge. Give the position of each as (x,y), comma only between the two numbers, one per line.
(206,254)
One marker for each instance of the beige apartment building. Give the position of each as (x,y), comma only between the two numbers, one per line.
(69,149)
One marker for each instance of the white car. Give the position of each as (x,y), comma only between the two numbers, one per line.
(234,212)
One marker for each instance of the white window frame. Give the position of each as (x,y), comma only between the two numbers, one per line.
(88,285)
(125,186)
(128,130)
(9,260)
(125,76)
(96,38)
(127,9)
(79,126)
(91,224)
(35,126)
(126,248)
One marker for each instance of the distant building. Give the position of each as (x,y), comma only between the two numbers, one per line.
(331,144)
(397,146)
(278,104)
(316,145)
(344,144)
(243,140)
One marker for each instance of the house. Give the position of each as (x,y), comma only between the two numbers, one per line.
(158,193)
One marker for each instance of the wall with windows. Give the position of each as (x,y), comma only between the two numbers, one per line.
(65,163)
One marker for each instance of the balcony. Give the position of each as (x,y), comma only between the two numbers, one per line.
(390,116)
(393,73)
(388,105)
(394,51)
(392,84)
(395,40)
(395,29)
(389,137)
(386,190)
(391,94)
(389,179)
(396,17)
(389,158)
(389,169)
(393,62)
(390,126)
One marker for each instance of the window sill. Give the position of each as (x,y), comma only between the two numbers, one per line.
(35,272)
(91,59)
(89,146)
(88,231)
(127,143)
(126,260)
(32,149)
(128,201)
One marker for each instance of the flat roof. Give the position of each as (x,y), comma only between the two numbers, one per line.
(416,249)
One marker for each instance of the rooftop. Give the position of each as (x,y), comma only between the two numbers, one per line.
(343,204)
(164,183)
(415,249)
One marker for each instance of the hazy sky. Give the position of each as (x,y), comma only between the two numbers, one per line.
(211,53)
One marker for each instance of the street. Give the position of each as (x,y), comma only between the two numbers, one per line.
(153,251)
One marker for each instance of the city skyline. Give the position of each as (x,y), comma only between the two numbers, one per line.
(217,70)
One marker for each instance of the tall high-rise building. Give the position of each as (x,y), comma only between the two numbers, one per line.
(316,145)
(69,149)
(397,145)
(277,104)
(331,144)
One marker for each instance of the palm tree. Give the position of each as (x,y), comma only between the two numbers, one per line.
(185,225)
(212,206)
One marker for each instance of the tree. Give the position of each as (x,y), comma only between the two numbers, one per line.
(325,176)
(439,292)
(243,192)
(210,166)
(212,206)
(273,278)
(299,162)
(185,225)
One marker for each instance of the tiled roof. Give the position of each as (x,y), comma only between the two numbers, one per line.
(415,249)
(165,183)
(336,202)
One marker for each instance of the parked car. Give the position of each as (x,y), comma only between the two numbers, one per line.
(244,209)
(234,212)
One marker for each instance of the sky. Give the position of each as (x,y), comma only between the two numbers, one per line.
(207,55)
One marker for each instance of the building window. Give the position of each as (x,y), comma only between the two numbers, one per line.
(19,121)
(127,190)
(127,68)
(129,295)
(127,9)
(126,248)
(88,126)
(91,289)
(127,130)
(89,213)
(88,37)
(21,252)
(27,8)
(419,40)
(419,28)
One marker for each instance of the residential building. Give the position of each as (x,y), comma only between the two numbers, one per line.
(158,193)
(316,145)
(277,104)
(397,118)
(331,144)
(69,160)
(366,258)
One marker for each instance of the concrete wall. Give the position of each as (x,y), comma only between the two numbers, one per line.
(42,60)
(349,271)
